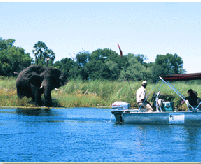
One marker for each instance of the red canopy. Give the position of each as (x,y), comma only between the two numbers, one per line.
(182,77)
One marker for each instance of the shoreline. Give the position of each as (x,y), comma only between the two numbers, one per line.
(97,94)
(47,108)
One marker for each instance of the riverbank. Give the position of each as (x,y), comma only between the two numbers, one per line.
(95,93)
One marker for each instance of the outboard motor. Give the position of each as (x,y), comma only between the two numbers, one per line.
(117,110)
(118,116)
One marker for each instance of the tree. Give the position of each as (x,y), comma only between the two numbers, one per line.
(136,69)
(170,64)
(95,68)
(43,54)
(82,58)
(12,58)
(4,44)
(156,71)
(65,65)
(104,64)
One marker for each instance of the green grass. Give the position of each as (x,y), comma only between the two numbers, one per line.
(95,93)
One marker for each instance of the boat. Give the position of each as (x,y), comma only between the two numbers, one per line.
(125,115)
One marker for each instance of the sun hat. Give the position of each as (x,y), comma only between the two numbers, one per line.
(144,83)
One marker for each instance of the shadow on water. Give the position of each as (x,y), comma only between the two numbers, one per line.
(34,112)
(68,115)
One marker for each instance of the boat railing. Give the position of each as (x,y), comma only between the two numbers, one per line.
(181,96)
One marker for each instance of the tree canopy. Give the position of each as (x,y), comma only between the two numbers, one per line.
(107,64)
(12,58)
(99,64)
(170,64)
(43,55)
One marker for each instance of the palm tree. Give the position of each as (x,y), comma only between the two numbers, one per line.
(42,54)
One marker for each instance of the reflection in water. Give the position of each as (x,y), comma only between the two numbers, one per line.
(34,112)
(7,111)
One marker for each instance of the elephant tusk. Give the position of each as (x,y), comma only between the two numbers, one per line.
(56,89)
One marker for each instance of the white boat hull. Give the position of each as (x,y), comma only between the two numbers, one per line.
(162,118)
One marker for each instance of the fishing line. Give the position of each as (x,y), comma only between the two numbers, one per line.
(177,92)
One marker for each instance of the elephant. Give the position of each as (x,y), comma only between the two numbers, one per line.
(36,80)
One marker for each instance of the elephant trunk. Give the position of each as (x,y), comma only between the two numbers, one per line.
(47,92)
(36,96)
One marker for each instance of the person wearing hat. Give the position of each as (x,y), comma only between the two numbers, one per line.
(141,98)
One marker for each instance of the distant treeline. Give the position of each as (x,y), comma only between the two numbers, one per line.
(101,64)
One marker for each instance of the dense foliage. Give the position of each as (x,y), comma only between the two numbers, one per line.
(12,58)
(101,64)
(105,64)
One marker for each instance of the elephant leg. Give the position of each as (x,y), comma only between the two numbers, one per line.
(36,96)
(47,97)
(19,93)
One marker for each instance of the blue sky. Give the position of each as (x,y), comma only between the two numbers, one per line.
(148,28)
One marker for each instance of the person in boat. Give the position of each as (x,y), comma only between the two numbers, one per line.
(192,98)
(141,98)
(198,100)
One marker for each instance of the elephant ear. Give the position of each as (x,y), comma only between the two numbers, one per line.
(35,79)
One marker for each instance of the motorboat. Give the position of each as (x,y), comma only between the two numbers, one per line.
(165,116)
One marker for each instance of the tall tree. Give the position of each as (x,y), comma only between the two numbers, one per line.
(42,54)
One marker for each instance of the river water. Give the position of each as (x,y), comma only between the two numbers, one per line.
(91,135)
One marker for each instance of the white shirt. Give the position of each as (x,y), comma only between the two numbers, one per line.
(141,94)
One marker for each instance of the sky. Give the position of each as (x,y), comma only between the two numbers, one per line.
(148,28)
